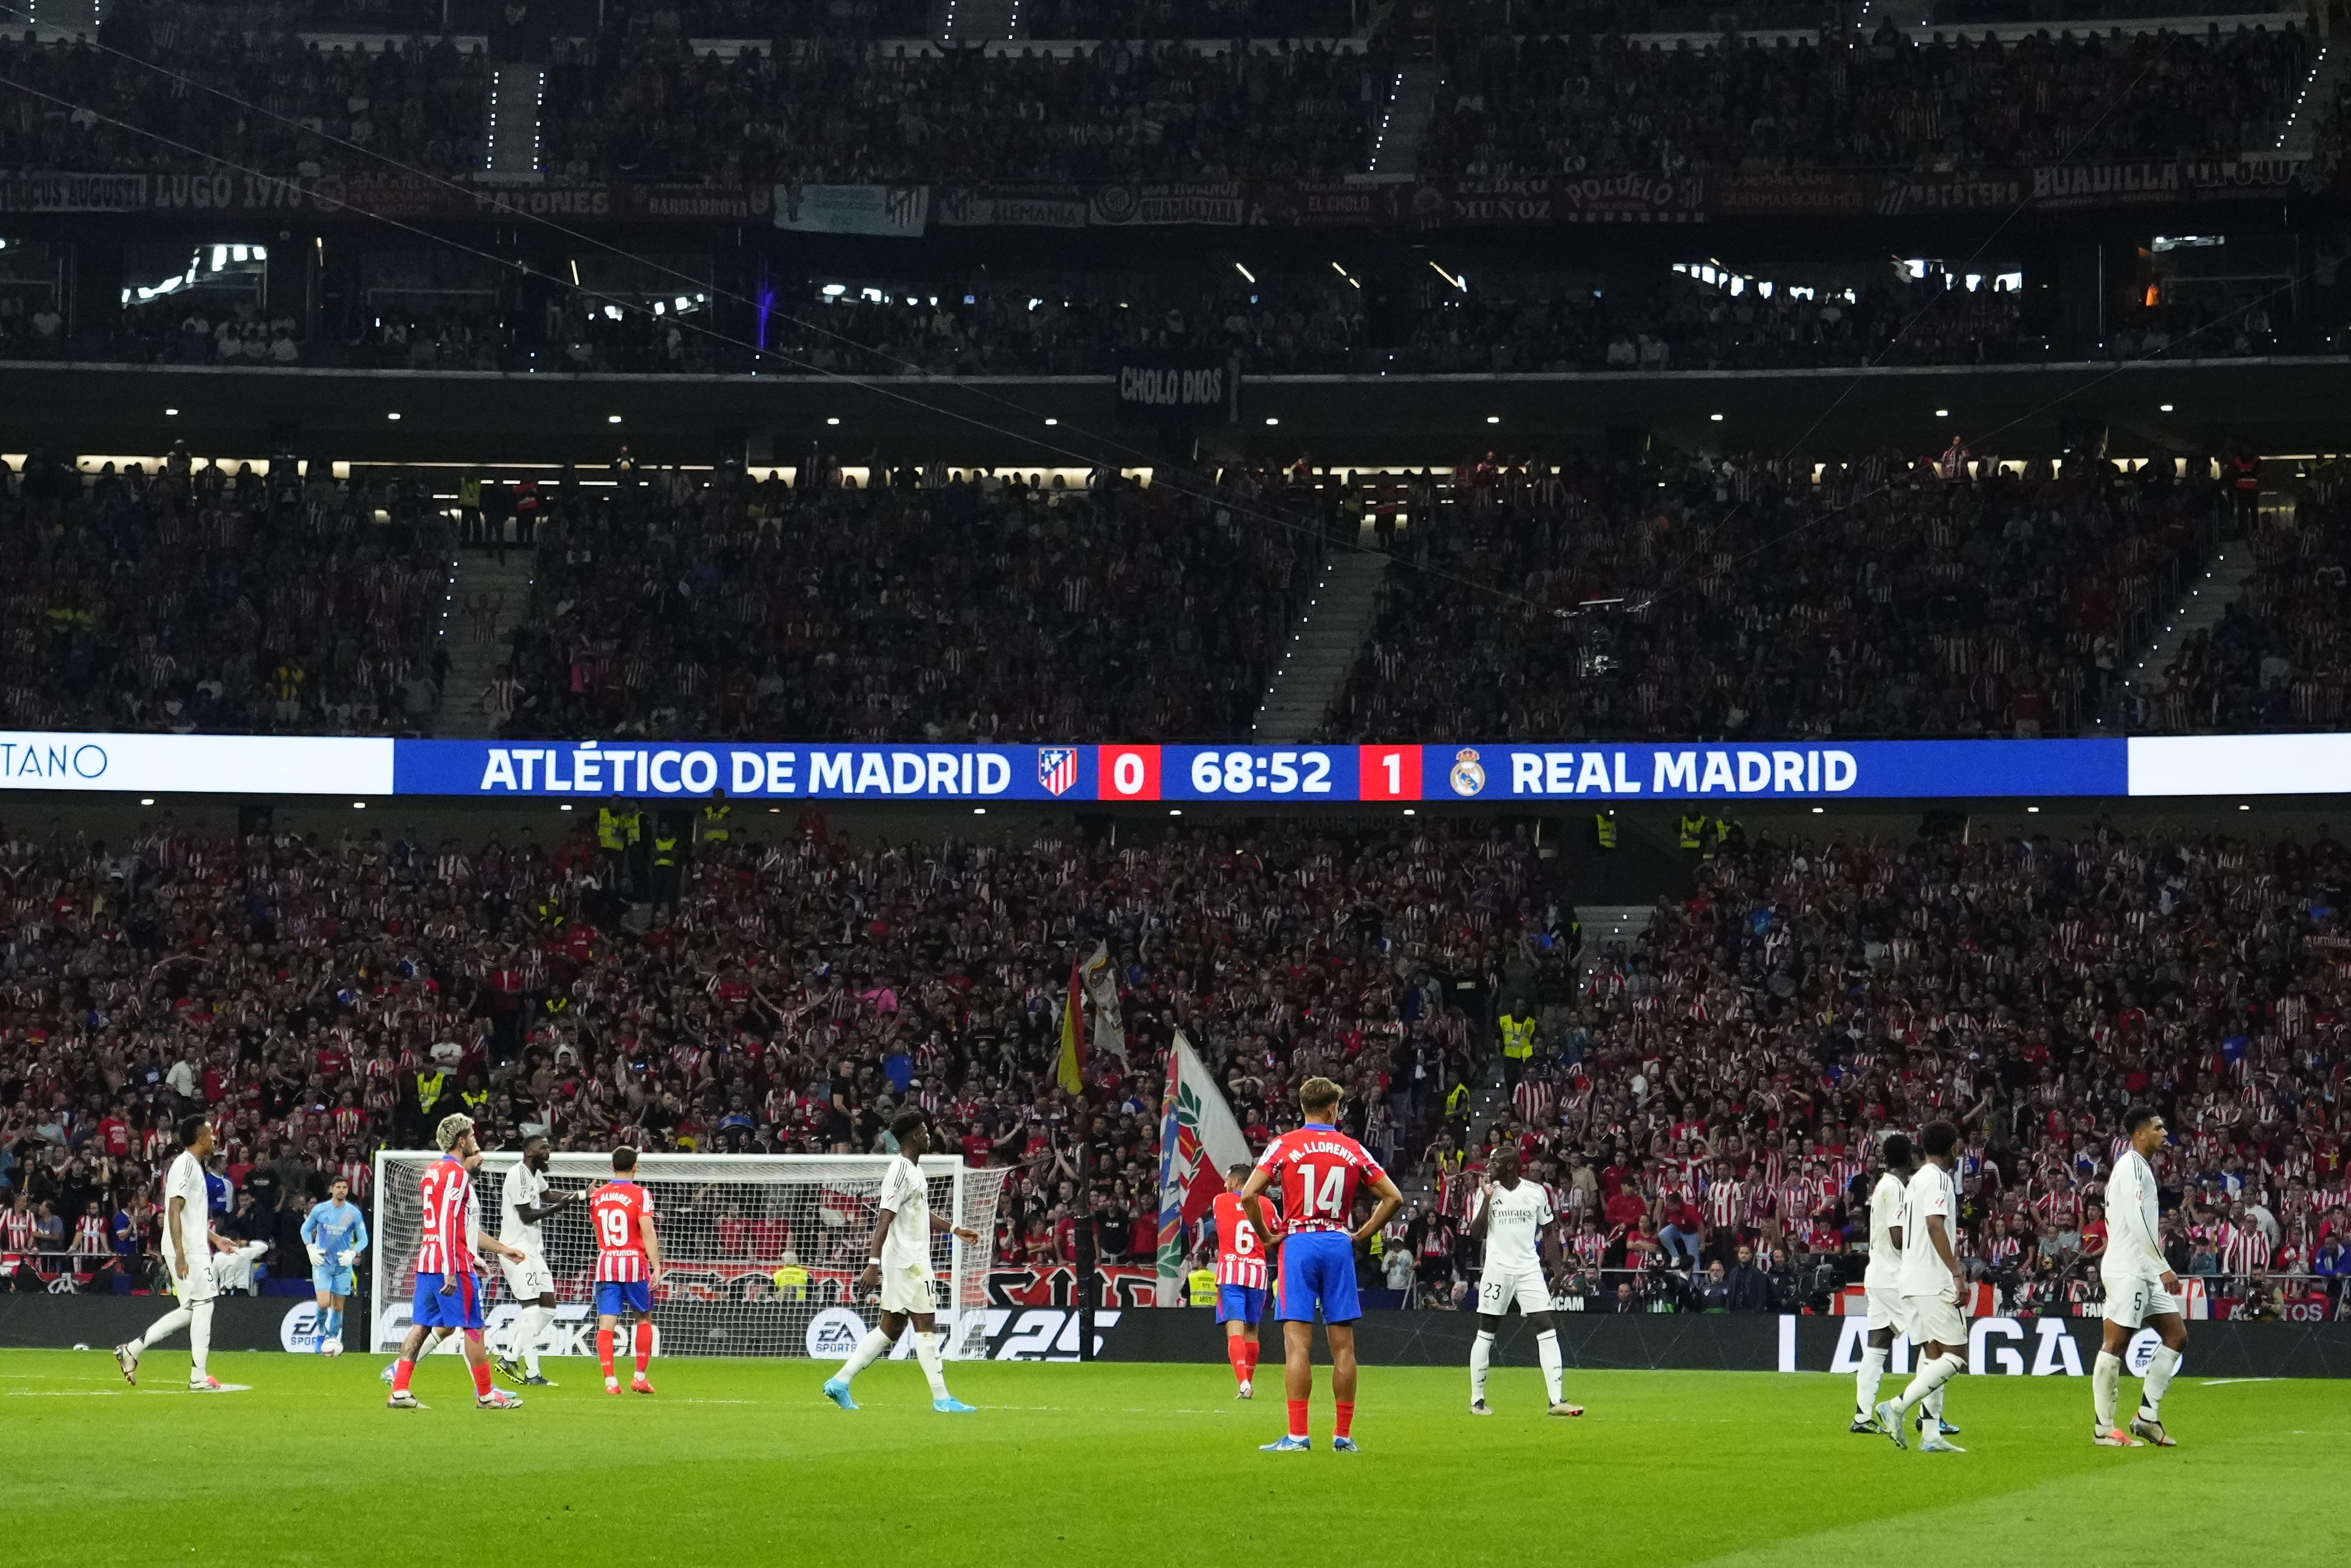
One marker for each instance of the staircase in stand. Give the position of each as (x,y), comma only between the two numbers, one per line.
(479,639)
(1322,645)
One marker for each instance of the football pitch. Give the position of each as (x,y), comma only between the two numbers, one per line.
(745,1461)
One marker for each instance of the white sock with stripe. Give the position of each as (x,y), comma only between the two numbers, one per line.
(2161,1368)
(535,1321)
(2105,1387)
(1547,1351)
(927,1351)
(1481,1358)
(1865,1380)
(871,1349)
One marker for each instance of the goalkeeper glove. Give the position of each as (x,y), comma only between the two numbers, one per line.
(343,1258)
(317,1254)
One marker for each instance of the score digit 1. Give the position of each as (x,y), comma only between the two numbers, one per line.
(1388,772)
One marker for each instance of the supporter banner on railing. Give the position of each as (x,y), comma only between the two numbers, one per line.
(1504,774)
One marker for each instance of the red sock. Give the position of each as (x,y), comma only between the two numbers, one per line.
(645,1347)
(1298,1418)
(604,1350)
(1254,1351)
(1236,1352)
(1346,1418)
(400,1372)
(482,1379)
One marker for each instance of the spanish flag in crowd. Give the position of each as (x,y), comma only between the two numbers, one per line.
(1073,1034)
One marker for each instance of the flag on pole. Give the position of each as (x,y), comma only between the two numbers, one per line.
(1198,1137)
(1102,987)
(1073,1075)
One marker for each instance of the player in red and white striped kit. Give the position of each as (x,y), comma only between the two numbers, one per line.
(627,1267)
(448,1283)
(1240,1278)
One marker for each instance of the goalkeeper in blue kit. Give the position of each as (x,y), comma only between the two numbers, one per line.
(336,1233)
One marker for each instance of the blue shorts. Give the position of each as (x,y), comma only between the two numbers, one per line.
(461,1308)
(637,1295)
(1239,1304)
(1318,1268)
(334,1280)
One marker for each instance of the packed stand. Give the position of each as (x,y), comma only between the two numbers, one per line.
(847,114)
(322,996)
(1559,106)
(919,606)
(191,598)
(2280,657)
(419,104)
(1746,597)
(1706,1103)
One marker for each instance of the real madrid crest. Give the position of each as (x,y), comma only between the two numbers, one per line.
(1469,774)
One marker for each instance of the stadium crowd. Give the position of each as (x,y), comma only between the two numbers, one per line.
(1555,106)
(2280,657)
(195,598)
(1703,1102)
(324,995)
(987,610)
(1749,597)
(637,101)
(1707,1101)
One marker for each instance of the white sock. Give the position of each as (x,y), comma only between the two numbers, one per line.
(2161,1369)
(1930,1377)
(927,1351)
(1547,1350)
(170,1323)
(1865,1380)
(1481,1358)
(200,1338)
(534,1328)
(1935,1403)
(2106,1378)
(871,1349)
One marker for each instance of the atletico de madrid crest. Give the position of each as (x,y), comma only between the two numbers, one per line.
(1057,768)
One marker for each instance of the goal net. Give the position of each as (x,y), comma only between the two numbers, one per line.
(727,1224)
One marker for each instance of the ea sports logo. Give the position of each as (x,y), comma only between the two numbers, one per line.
(298,1331)
(2141,1351)
(834,1334)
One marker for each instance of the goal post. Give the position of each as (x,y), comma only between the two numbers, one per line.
(727,1224)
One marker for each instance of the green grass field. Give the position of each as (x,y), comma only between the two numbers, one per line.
(745,1460)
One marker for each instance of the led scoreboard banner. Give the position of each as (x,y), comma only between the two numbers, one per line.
(1487,773)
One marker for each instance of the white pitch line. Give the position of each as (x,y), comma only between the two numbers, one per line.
(2224,1381)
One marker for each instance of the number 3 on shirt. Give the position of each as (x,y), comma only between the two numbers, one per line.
(614,1224)
(1323,1200)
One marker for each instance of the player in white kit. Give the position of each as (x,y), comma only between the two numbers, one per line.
(1882,1280)
(188,1243)
(1511,1216)
(525,1199)
(2142,1290)
(1933,1286)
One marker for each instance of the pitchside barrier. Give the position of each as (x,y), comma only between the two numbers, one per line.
(1486,773)
(1631,1341)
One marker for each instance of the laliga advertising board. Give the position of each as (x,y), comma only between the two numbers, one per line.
(1486,773)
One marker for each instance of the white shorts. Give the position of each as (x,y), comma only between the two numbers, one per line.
(2132,1299)
(1498,1287)
(1933,1320)
(1884,1304)
(530,1279)
(907,1291)
(201,1285)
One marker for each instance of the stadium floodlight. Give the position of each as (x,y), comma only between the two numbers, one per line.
(612,419)
(729,1224)
(1270,420)
(2165,408)
(833,419)
(394,416)
(1716,417)
(171,413)
(1493,419)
